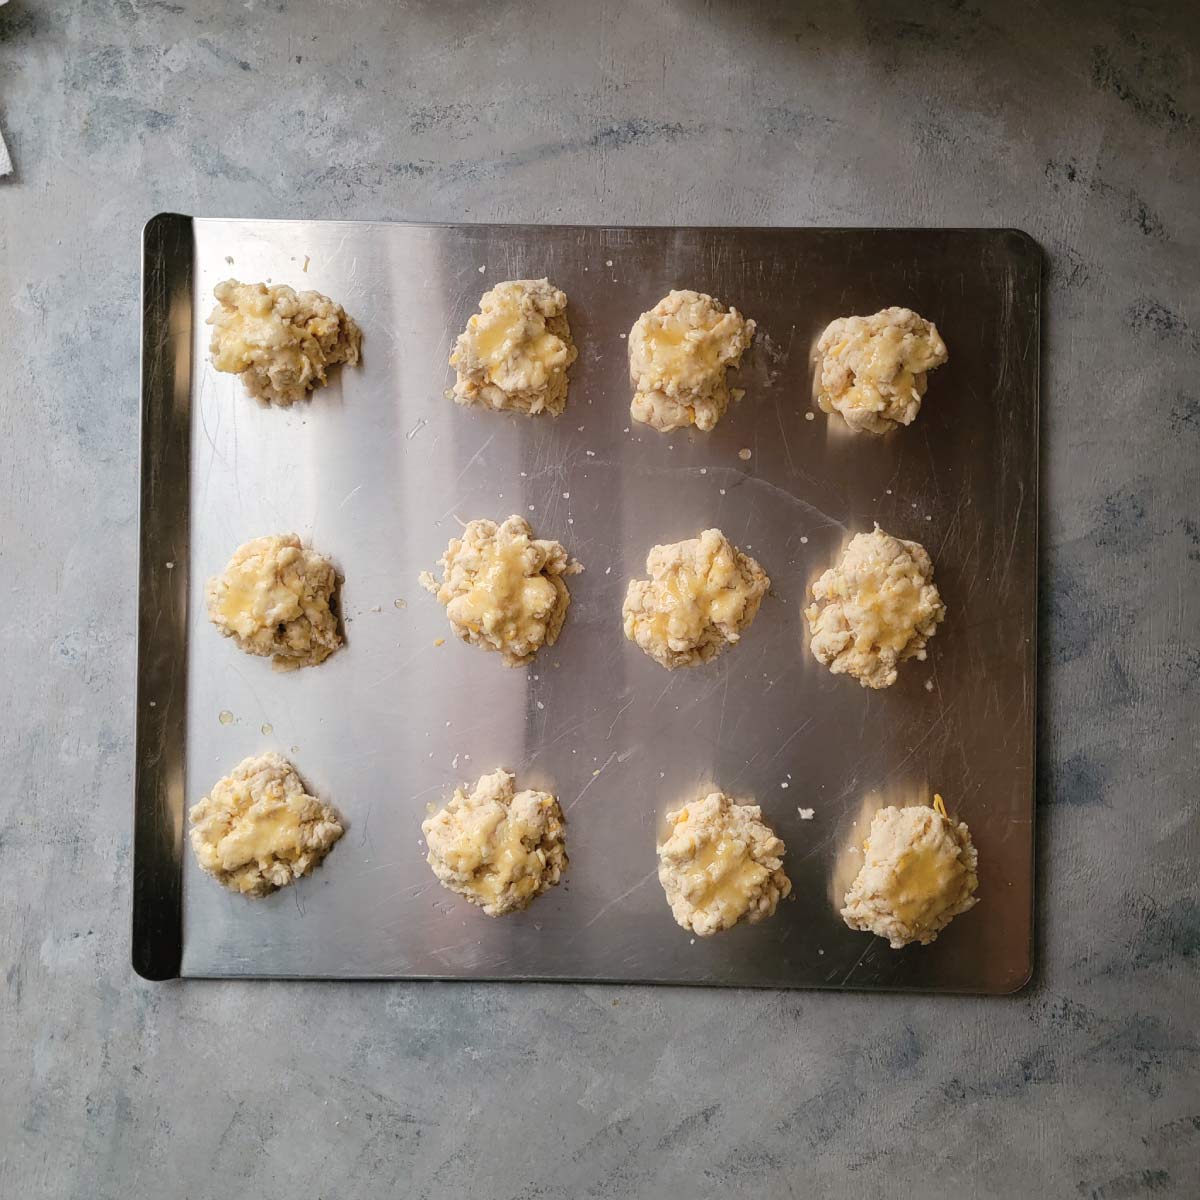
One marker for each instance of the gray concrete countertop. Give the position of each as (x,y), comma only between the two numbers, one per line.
(1078,122)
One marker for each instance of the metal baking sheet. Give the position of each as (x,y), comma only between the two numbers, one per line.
(378,470)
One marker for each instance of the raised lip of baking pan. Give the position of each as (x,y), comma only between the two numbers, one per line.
(167,338)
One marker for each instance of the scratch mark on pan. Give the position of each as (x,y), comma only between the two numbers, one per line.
(658,698)
(470,463)
(618,716)
(412,658)
(811,509)
(941,720)
(589,783)
(617,899)
(858,962)
(799,730)
(570,729)
(1016,528)
(783,438)
(952,524)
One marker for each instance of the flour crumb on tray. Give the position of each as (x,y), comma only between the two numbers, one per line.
(495,846)
(514,353)
(280,341)
(258,829)
(720,865)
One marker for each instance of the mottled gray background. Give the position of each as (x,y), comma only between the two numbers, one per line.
(1079,122)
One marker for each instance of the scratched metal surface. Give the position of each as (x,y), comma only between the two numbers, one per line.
(378,470)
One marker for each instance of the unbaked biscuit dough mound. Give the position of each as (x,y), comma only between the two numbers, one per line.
(678,355)
(498,847)
(504,589)
(877,607)
(258,830)
(274,599)
(873,369)
(280,341)
(701,595)
(918,874)
(721,865)
(514,353)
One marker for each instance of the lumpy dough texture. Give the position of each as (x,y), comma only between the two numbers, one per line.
(877,607)
(701,595)
(918,874)
(503,588)
(258,830)
(278,340)
(498,847)
(678,355)
(274,600)
(873,370)
(514,352)
(721,865)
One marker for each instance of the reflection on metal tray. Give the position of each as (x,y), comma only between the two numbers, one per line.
(378,470)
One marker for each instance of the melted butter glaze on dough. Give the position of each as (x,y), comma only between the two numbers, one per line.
(497,847)
(504,589)
(514,353)
(258,830)
(274,599)
(875,608)
(720,865)
(679,352)
(918,874)
(874,370)
(281,342)
(701,596)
